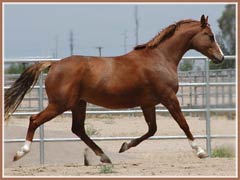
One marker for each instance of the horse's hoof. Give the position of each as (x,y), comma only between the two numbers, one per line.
(202,155)
(15,158)
(86,158)
(19,155)
(124,147)
(23,151)
(105,159)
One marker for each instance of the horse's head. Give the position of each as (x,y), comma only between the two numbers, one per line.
(205,42)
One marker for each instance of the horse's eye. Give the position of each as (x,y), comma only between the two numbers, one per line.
(211,37)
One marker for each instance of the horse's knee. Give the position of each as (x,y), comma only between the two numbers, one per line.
(152,130)
(33,122)
(78,131)
(33,118)
(75,130)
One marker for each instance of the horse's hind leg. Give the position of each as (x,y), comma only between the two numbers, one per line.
(47,114)
(174,108)
(150,118)
(78,119)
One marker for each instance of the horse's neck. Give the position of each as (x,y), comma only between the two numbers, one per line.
(175,47)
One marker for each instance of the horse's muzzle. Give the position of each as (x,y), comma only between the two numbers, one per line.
(217,60)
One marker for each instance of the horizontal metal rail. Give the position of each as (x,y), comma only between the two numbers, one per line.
(28,60)
(131,111)
(119,138)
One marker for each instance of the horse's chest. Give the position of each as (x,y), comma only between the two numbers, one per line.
(165,79)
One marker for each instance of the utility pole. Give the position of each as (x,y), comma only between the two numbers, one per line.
(99,50)
(136,23)
(71,42)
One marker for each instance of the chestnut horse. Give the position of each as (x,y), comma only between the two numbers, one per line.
(143,77)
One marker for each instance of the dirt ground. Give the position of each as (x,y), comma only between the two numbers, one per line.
(156,158)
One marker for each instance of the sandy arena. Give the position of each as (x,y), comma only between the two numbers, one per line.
(151,158)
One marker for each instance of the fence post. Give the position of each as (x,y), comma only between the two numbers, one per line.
(190,93)
(203,93)
(230,93)
(216,79)
(41,129)
(195,93)
(208,123)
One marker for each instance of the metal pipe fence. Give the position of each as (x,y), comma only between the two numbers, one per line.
(206,80)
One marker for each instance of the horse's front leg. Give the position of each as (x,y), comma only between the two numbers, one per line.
(78,119)
(150,117)
(173,107)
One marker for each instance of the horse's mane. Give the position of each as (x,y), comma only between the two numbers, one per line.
(164,34)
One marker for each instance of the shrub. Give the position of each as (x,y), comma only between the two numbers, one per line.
(223,152)
(106,169)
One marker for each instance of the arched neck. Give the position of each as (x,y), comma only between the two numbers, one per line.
(175,47)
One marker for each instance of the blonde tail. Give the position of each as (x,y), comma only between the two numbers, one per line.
(15,94)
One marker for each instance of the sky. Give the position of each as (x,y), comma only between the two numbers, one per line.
(43,30)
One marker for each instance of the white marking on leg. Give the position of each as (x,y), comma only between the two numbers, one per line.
(23,151)
(193,144)
(200,152)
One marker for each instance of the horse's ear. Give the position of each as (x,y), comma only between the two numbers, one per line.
(204,21)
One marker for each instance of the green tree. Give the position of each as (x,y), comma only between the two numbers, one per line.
(226,38)
(227,25)
(16,68)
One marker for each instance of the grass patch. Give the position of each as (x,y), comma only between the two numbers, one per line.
(223,152)
(106,169)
